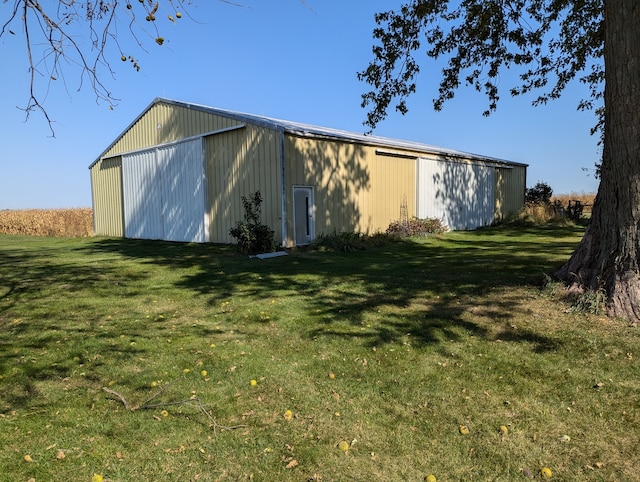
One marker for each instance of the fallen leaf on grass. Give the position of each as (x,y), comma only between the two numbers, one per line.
(292,464)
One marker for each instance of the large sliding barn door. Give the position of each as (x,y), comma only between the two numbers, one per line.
(164,193)
(183,191)
(142,196)
(458,193)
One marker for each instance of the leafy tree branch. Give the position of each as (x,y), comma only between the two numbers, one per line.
(550,43)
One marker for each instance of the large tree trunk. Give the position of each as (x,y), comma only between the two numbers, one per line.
(607,257)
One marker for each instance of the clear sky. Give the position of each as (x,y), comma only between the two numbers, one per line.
(289,59)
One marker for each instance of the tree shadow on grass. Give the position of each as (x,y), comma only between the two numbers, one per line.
(426,289)
(52,293)
(427,292)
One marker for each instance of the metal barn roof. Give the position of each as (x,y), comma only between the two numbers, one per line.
(308,130)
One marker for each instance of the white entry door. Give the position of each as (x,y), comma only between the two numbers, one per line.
(303,215)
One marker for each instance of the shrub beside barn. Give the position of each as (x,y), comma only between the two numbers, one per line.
(179,170)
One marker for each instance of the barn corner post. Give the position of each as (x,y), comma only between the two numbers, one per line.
(607,257)
(283,190)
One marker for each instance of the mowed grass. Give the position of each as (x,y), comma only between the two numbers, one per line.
(390,349)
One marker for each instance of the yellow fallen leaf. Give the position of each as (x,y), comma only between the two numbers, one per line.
(288,415)
(464,430)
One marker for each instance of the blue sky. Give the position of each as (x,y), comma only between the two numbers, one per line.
(289,59)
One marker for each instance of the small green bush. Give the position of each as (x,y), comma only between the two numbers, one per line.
(416,227)
(253,237)
(539,194)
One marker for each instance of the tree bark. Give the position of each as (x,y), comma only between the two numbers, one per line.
(607,257)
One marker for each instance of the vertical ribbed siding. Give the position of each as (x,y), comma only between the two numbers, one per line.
(164,193)
(183,191)
(459,193)
(165,123)
(510,189)
(142,194)
(393,188)
(354,188)
(106,190)
(239,163)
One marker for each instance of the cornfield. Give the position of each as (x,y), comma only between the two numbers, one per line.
(584,198)
(77,222)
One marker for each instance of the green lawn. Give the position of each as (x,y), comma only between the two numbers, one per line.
(391,349)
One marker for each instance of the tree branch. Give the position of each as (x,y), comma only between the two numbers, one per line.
(189,401)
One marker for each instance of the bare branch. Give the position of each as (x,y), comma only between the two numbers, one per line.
(69,35)
(193,401)
(119,397)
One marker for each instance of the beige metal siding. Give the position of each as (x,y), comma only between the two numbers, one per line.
(510,189)
(239,163)
(355,189)
(106,187)
(165,123)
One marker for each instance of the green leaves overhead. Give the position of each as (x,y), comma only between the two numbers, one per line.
(552,42)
